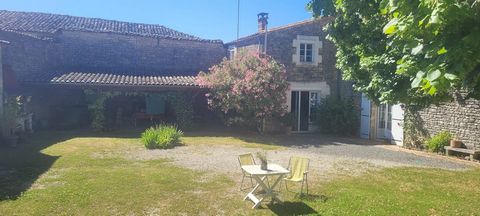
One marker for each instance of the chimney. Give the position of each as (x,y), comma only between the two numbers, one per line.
(262,21)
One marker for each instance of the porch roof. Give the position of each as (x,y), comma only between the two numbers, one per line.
(112,79)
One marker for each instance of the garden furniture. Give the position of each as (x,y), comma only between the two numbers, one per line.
(473,153)
(298,167)
(246,159)
(273,170)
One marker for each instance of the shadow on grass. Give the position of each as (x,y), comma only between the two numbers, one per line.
(292,208)
(21,166)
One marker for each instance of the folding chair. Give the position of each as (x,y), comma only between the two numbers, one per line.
(246,159)
(298,168)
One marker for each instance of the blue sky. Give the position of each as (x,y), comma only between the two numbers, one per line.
(210,19)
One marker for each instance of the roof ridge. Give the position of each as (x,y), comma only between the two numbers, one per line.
(277,28)
(23,21)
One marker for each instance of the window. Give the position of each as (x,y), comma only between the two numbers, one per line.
(306,52)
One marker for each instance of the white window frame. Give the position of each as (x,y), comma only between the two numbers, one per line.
(317,46)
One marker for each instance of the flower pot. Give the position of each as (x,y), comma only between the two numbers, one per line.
(264,165)
(455,143)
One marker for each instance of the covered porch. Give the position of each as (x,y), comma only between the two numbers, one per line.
(105,101)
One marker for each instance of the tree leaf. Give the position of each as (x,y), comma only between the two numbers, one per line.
(420,74)
(433,75)
(442,51)
(418,49)
(450,76)
(432,90)
(390,27)
(416,82)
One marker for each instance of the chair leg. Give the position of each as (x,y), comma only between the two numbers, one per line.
(306,182)
(251,182)
(301,189)
(286,188)
(241,184)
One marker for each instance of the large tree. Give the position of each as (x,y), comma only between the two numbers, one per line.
(250,87)
(415,52)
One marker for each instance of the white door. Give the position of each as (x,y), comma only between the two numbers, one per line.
(365,118)
(397,124)
(384,124)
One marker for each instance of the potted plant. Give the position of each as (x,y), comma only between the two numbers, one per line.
(262,156)
(455,143)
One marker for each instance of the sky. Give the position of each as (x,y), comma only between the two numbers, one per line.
(208,19)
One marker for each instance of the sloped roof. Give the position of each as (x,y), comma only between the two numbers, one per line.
(321,20)
(51,23)
(112,79)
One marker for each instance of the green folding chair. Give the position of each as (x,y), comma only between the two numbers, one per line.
(246,159)
(298,168)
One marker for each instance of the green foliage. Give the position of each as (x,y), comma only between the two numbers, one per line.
(338,116)
(316,6)
(183,108)
(96,105)
(437,142)
(414,52)
(161,137)
(249,88)
(413,128)
(12,108)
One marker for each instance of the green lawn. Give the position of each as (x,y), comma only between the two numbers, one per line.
(65,173)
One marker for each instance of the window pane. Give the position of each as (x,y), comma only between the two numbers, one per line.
(309,53)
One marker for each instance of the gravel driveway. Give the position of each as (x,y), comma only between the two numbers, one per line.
(330,156)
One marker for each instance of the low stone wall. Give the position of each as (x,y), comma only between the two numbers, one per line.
(460,117)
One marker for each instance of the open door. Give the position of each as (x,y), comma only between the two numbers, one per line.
(365,118)
(397,124)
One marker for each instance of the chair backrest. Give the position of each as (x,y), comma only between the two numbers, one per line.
(246,159)
(298,166)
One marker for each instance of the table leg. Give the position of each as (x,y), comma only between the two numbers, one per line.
(267,188)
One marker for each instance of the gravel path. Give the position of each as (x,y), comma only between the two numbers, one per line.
(329,157)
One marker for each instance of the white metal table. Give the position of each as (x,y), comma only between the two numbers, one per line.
(260,175)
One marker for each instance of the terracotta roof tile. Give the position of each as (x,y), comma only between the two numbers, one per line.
(109,79)
(28,22)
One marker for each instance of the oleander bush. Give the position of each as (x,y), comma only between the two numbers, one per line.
(161,137)
(437,142)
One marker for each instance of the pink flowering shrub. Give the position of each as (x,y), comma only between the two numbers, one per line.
(250,87)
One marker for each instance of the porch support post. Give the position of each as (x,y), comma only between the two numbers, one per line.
(2,117)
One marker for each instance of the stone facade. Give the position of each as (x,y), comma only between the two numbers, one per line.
(280,45)
(107,52)
(461,118)
(35,57)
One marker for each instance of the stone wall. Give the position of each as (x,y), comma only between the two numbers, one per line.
(461,118)
(108,52)
(29,56)
(280,47)
(100,52)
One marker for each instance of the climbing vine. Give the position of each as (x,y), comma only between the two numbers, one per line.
(96,105)
(415,132)
(182,105)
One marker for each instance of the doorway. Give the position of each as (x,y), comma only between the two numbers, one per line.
(303,106)
(384,124)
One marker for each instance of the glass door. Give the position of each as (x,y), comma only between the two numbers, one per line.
(384,128)
(300,107)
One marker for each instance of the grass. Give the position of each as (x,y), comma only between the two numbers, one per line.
(75,173)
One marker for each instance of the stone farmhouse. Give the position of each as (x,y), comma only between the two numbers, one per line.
(54,58)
